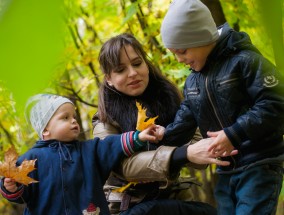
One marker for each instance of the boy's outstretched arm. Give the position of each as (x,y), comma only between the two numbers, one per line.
(182,129)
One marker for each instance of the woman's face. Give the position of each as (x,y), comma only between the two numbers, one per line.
(131,76)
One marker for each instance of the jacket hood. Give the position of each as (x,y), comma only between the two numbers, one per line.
(231,41)
(47,143)
(63,148)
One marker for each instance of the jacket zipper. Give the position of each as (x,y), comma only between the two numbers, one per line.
(215,111)
(206,87)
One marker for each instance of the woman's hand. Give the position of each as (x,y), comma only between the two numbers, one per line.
(199,153)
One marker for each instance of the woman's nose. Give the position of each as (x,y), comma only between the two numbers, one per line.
(132,71)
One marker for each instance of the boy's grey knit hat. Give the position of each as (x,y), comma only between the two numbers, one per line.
(187,24)
(40,108)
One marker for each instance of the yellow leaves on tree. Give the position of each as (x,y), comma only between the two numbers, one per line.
(142,120)
(9,169)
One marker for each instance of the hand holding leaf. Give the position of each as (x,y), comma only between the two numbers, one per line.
(143,121)
(8,168)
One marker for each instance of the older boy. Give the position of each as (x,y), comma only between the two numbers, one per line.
(235,95)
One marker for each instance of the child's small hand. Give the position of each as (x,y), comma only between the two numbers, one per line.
(10,185)
(153,133)
(221,145)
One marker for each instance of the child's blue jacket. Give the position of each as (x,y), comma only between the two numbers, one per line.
(71,175)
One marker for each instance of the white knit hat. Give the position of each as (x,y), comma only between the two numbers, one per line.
(187,24)
(40,108)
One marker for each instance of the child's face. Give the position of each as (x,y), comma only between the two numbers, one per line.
(194,57)
(62,125)
(131,77)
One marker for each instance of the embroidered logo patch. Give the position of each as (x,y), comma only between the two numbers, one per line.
(270,81)
(91,210)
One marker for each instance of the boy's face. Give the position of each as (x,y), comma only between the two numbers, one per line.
(194,57)
(62,125)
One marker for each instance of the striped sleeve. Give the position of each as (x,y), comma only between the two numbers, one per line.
(131,143)
(12,196)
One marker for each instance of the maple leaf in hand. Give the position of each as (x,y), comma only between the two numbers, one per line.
(143,121)
(8,168)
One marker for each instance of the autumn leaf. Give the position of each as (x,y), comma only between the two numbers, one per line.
(8,168)
(122,189)
(143,121)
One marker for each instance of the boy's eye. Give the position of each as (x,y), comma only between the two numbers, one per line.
(181,51)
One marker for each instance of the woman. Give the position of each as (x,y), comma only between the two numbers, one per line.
(129,78)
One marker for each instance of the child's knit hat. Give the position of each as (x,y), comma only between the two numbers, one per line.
(40,108)
(187,24)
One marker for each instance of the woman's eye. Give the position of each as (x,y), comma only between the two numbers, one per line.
(118,70)
(137,64)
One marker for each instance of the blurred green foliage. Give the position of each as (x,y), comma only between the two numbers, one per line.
(52,46)
(31,40)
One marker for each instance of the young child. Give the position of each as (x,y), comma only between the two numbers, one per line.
(235,95)
(71,174)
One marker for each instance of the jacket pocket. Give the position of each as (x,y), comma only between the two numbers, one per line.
(230,89)
(193,96)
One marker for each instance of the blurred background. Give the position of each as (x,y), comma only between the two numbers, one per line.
(53,47)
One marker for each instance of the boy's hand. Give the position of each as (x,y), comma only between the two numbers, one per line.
(221,146)
(10,185)
(153,133)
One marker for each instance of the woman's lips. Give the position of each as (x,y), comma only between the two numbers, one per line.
(134,84)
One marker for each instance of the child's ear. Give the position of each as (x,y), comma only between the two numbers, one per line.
(45,133)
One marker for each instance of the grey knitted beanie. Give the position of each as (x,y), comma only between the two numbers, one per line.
(40,108)
(187,24)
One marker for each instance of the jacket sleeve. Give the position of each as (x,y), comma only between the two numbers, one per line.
(265,88)
(182,129)
(148,166)
(160,160)
(15,197)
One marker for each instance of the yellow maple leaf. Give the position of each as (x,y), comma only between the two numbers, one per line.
(8,168)
(143,121)
(122,189)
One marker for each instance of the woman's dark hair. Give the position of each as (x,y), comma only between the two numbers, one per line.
(161,97)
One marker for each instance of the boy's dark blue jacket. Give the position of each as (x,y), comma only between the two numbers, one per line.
(240,91)
(71,175)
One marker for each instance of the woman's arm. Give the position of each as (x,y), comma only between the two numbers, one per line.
(154,165)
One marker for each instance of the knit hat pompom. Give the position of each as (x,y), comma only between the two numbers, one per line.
(187,24)
(40,108)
